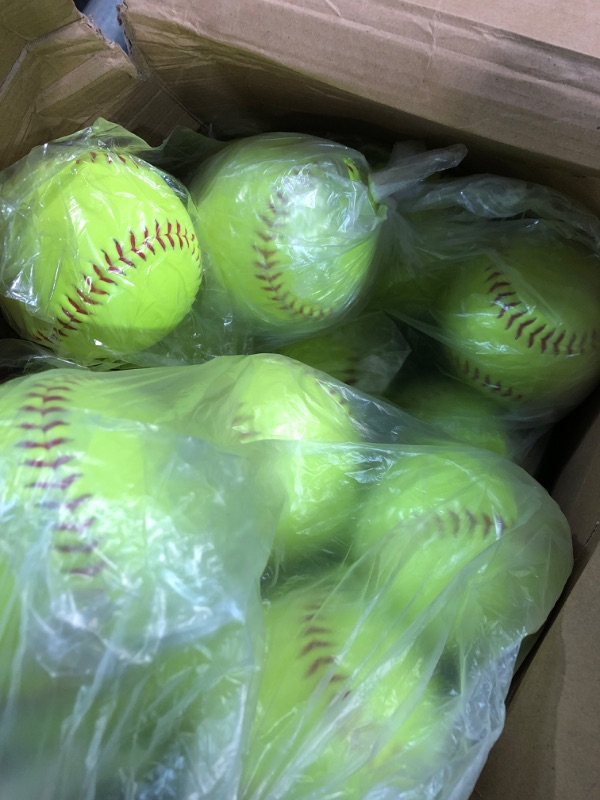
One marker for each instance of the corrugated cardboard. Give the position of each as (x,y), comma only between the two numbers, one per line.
(550,746)
(63,74)
(483,78)
(518,83)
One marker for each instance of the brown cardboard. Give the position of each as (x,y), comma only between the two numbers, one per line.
(62,79)
(413,62)
(518,83)
(23,22)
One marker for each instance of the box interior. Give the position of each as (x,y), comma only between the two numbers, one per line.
(523,96)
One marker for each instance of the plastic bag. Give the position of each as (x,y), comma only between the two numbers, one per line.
(366,353)
(129,624)
(100,260)
(139,510)
(292,227)
(505,276)
(427,392)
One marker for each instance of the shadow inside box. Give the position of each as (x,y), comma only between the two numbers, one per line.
(566,438)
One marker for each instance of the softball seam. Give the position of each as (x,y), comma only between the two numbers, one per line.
(507,299)
(315,641)
(80,302)
(454,522)
(483,379)
(268,266)
(510,307)
(79,306)
(56,474)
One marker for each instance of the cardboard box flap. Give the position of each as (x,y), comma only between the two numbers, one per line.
(571,26)
(64,79)
(479,81)
(23,22)
(549,748)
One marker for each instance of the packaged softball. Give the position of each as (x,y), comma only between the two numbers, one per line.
(99,256)
(144,513)
(428,392)
(366,353)
(505,277)
(293,227)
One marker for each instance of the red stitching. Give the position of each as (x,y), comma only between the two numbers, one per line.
(30,426)
(314,644)
(316,637)
(473,374)
(30,445)
(62,477)
(78,548)
(71,505)
(62,485)
(88,572)
(450,522)
(275,212)
(498,280)
(124,256)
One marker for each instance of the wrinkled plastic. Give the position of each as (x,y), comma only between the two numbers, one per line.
(293,227)
(427,392)
(139,510)
(99,258)
(126,613)
(366,353)
(504,275)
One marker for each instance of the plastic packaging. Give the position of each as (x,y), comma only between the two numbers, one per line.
(99,258)
(366,353)
(505,276)
(292,227)
(140,508)
(424,390)
(126,611)
(384,677)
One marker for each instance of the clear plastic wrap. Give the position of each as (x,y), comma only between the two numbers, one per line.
(505,277)
(129,624)
(424,390)
(139,510)
(366,353)
(99,258)
(292,227)
(384,677)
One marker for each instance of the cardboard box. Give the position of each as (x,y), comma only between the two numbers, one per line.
(519,84)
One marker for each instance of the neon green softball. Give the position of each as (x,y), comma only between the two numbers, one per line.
(522,327)
(290,228)
(99,257)
(341,695)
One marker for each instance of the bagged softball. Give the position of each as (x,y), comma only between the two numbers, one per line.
(505,275)
(387,676)
(125,608)
(292,227)
(521,324)
(424,390)
(99,258)
(365,353)
(132,552)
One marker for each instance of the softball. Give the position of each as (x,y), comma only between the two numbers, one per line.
(522,327)
(458,411)
(100,257)
(443,512)
(365,353)
(301,429)
(290,228)
(90,517)
(341,695)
